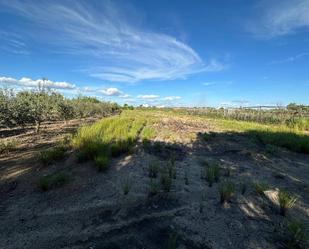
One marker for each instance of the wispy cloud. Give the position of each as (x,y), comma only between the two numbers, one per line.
(171,98)
(224,82)
(280,17)
(103,33)
(112,91)
(289,59)
(27,82)
(148,97)
(12,43)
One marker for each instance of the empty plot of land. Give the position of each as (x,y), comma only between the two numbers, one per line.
(146,179)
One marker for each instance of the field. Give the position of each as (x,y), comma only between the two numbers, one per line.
(155,179)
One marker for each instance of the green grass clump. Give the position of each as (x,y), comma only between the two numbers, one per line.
(243,187)
(226,191)
(45,183)
(172,241)
(153,187)
(153,169)
(126,186)
(51,155)
(101,162)
(7,146)
(210,176)
(286,202)
(293,141)
(166,181)
(260,187)
(295,235)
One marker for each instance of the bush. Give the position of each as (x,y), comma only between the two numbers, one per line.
(295,235)
(226,191)
(51,155)
(286,201)
(7,146)
(101,162)
(45,183)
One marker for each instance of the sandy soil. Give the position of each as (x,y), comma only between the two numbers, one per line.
(91,211)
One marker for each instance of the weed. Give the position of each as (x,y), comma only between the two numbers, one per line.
(166,181)
(270,149)
(243,187)
(153,169)
(51,155)
(172,169)
(226,191)
(286,201)
(216,171)
(295,235)
(210,176)
(206,136)
(186,178)
(260,187)
(8,146)
(126,186)
(153,187)
(101,162)
(45,183)
(228,171)
(172,241)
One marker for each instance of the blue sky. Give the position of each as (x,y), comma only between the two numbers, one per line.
(164,53)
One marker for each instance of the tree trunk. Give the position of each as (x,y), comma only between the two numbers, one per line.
(37,126)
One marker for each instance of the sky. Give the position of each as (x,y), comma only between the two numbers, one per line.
(163,53)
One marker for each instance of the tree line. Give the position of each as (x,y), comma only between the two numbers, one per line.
(34,107)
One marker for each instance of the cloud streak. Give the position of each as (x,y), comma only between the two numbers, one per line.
(280,17)
(289,59)
(102,33)
(27,82)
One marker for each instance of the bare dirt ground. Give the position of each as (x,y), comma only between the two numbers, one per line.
(91,211)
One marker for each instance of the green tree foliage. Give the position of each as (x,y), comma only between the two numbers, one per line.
(34,107)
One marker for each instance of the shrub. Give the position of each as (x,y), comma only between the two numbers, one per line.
(101,162)
(8,146)
(45,183)
(153,169)
(286,201)
(226,191)
(51,155)
(295,235)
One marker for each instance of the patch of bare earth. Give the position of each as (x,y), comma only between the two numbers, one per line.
(91,211)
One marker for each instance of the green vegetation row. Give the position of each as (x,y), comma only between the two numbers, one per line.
(109,137)
(34,107)
(293,117)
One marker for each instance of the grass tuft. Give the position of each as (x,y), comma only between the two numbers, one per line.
(226,191)
(153,187)
(295,235)
(153,169)
(286,202)
(49,156)
(101,162)
(45,183)
(260,187)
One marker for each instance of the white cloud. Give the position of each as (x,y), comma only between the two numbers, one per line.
(105,35)
(111,91)
(27,82)
(125,96)
(280,17)
(289,59)
(171,98)
(148,97)
(145,105)
(210,83)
